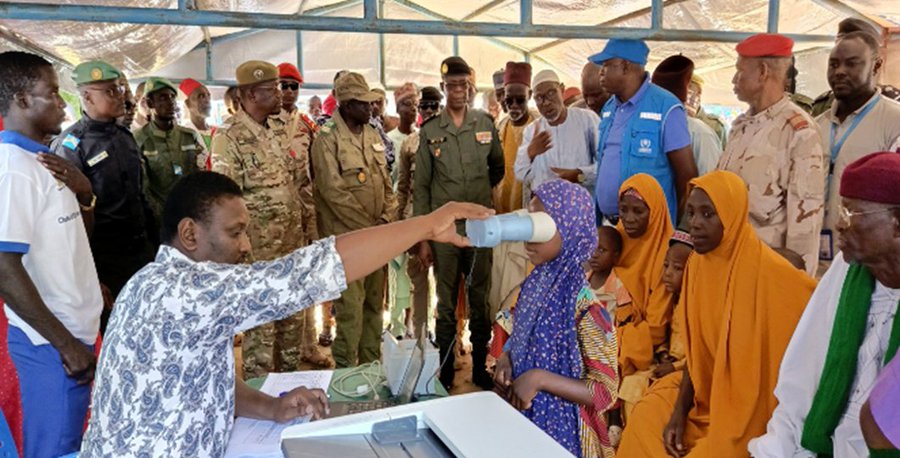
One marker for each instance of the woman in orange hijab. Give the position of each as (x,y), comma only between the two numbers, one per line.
(740,303)
(643,325)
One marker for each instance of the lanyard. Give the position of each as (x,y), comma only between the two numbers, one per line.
(836,147)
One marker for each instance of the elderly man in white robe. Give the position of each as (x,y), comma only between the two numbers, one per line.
(850,329)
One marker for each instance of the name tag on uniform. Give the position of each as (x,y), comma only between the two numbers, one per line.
(96,159)
(378,147)
(606,114)
(178,170)
(484,137)
(188,147)
(152,153)
(651,116)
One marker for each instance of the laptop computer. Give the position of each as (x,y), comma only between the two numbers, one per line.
(407,387)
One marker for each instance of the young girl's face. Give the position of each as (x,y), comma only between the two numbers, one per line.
(673,266)
(539,253)
(604,257)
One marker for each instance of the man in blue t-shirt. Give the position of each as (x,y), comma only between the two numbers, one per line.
(643,129)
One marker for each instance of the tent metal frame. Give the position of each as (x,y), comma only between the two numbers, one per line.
(187,14)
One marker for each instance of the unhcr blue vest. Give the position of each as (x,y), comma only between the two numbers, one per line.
(642,147)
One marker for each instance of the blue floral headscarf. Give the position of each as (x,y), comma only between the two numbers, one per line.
(544,334)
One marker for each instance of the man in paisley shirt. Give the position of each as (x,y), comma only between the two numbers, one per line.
(165,384)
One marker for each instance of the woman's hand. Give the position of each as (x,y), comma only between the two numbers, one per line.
(68,174)
(673,435)
(443,221)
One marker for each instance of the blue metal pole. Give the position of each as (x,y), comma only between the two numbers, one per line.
(381,53)
(299,44)
(773,16)
(526,12)
(209,61)
(91,13)
(656,14)
(370,9)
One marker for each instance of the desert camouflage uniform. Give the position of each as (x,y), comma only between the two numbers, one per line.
(302,130)
(258,159)
(353,190)
(779,154)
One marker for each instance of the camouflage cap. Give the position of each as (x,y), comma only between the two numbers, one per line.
(352,86)
(155,83)
(255,71)
(94,71)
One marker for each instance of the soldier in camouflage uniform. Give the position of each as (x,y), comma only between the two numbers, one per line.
(353,191)
(253,150)
(301,130)
(775,147)
(169,151)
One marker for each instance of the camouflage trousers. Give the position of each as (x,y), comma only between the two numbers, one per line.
(399,287)
(360,321)
(279,346)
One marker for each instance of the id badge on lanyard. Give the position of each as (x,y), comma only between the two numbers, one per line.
(826,239)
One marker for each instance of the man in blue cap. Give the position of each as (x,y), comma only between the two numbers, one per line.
(643,129)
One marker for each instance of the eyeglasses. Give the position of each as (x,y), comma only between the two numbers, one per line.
(552,96)
(287,85)
(429,105)
(515,100)
(846,215)
(110,91)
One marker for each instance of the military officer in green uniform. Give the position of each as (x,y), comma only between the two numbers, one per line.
(694,109)
(253,149)
(459,159)
(169,151)
(353,190)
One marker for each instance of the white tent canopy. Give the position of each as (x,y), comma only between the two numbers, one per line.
(172,51)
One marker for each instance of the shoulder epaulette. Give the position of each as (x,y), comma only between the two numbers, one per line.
(798,121)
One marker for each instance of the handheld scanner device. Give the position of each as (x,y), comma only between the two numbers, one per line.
(519,226)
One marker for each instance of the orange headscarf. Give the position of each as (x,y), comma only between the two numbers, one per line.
(640,268)
(740,304)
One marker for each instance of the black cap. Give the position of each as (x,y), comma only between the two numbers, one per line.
(431,93)
(455,66)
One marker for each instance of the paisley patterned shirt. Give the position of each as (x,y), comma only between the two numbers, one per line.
(165,382)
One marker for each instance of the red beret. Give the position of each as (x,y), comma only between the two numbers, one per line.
(517,73)
(329,105)
(766,45)
(189,85)
(874,178)
(286,70)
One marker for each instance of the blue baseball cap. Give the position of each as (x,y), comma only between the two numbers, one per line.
(631,50)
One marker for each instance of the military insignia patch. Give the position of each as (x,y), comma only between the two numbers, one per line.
(258,74)
(96,74)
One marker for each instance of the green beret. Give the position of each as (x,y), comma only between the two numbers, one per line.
(255,71)
(155,83)
(94,71)
(455,66)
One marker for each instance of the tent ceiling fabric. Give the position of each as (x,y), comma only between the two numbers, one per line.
(141,50)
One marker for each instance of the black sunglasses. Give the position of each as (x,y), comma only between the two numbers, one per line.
(429,105)
(515,100)
(286,85)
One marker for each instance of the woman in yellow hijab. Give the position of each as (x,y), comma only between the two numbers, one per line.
(740,303)
(643,325)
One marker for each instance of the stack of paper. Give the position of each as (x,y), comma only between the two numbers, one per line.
(262,439)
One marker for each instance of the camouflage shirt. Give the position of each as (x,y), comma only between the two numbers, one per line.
(406,169)
(302,130)
(258,158)
(779,153)
(353,188)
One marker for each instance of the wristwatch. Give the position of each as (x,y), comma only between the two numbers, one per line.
(87,208)
(581,178)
